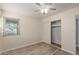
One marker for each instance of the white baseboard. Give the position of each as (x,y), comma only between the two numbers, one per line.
(68,51)
(21,46)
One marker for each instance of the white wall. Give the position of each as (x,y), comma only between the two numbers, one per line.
(29,32)
(68,30)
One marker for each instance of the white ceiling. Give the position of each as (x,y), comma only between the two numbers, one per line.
(28,8)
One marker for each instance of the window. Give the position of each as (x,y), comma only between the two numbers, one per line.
(11,27)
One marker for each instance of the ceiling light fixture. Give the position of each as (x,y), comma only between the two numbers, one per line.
(44,10)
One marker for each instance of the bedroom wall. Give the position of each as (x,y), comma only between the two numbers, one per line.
(29,32)
(68,29)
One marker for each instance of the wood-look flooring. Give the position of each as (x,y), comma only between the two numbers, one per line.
(77,50)
(37,49)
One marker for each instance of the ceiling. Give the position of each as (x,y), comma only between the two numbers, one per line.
(28,9)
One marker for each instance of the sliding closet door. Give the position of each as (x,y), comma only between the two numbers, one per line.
(56,37)
(56,32)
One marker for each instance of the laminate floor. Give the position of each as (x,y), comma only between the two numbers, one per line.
(77,50)
(37,49)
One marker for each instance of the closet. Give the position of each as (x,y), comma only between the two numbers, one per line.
(56,33)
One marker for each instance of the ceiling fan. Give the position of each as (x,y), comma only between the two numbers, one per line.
(44,8)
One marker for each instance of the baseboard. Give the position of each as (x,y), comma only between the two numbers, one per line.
(21,46)
(56,44)
(68,51)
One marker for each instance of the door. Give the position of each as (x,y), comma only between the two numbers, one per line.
(56,33)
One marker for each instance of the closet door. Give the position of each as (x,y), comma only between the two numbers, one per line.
(56,35)
(56,32)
